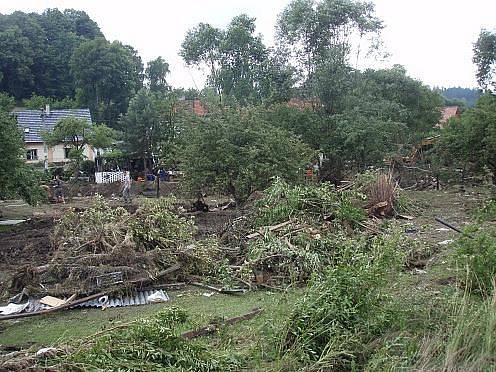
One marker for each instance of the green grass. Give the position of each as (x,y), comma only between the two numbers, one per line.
(71,325)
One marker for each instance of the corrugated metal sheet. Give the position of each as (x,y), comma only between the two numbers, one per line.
(33,122)
(138,298)
(135,299)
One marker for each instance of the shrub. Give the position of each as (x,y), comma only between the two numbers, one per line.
(476,254)
(283,201)
(487,212)
(344,308)
(237,151)
(150,344)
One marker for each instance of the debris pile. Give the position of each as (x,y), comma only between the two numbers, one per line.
(102,246)
(299,230)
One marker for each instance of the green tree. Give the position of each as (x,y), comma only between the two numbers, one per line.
(237,151)
(201,47)
(35,50)
(485,59)
(107,76)
(242,70)
(325,31)
(390,94)
(7,102)
(76,133)
(471,139)
(148,125)
(36,102)
(156,75)
(16,178)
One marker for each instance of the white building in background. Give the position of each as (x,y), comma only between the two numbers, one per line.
(33,122)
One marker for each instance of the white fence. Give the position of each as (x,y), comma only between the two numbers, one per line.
(109,177)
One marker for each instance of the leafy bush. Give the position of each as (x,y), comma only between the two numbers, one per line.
(344,308)
(283,201)
(156,225)
(237,151)
(150,344)
(476,254)
(487,212)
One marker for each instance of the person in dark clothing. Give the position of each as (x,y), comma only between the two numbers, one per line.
(58,191)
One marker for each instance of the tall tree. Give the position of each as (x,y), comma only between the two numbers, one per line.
(148,124)
(107,76)
(471,139)
(156,75)
(16,178)
(242,69)
(201,48)
(322,35)
(485,59)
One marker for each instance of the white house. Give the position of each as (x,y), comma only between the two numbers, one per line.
(33,122)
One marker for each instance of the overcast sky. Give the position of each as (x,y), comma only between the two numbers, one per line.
(431,38)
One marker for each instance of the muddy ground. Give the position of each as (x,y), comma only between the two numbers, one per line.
(27,245)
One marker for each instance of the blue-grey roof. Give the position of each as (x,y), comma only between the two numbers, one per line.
(37,122)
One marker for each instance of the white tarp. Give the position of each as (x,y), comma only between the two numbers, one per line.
(12,308)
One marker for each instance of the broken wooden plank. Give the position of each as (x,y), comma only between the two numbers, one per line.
(52,301)
(211,328)
(448,225)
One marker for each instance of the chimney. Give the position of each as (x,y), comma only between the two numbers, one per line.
(47,110)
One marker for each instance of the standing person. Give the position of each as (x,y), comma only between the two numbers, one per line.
(126,190)
(59,192)
(162,174)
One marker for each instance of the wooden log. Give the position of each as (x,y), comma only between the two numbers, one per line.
(211,328)
(218,290)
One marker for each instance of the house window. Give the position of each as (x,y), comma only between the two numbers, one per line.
(67,150)
(32,154)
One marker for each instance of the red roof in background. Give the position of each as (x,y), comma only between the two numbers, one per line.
(192,106)
(303,103)
(448,113)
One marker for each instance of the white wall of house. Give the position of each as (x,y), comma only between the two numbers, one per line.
(55,154)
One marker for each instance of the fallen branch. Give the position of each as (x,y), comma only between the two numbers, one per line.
(211,328)
(159,275)
(218,290)
(270,228)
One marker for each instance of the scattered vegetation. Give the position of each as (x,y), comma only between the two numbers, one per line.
(344,308)
(476,257)
(149,344)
